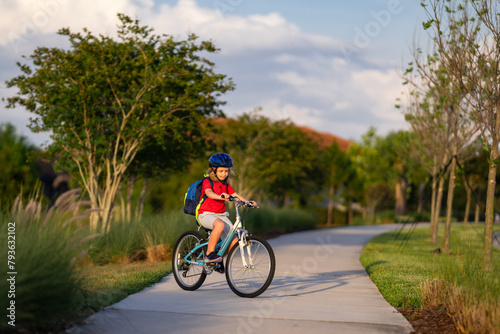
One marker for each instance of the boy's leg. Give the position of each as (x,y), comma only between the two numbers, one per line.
(215,235)
(233,242)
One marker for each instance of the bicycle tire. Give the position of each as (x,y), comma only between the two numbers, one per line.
(251,282)
(188,276)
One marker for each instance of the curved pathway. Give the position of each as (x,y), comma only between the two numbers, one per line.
(320,287)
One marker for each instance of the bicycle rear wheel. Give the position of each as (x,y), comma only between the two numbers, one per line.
(253,278)
(188,276)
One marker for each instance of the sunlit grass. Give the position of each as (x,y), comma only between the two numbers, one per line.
(105,285)
(405,272)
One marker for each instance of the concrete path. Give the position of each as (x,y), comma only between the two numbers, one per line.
(319,287)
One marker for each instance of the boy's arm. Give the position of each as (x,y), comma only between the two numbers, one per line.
(211,194)
(241,198)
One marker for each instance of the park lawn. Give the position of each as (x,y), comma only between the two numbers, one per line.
(409,275)
(102,286)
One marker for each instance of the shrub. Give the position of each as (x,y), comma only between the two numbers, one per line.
(263,220)
(129,241)
(46,250)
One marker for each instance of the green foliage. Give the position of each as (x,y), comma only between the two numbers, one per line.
(46,285)
(105,101)
(336,167)
(19,173)
(168,195)
(263,221)
(274,159)
(140,81)
(128,241)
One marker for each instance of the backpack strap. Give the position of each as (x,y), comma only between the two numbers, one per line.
(204,197)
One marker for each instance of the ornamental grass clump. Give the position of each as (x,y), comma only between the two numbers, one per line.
(45,289)
(470,294)
(149,239)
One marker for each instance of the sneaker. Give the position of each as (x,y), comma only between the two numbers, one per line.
(220,268)
(213,257)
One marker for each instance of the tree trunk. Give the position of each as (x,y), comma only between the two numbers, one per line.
(349,214)
(490,207)
(130,192)
(449,204)
(439,198)
(476,215)
(467,203)
(400,193)
(142,199)
(109,202)
(329,219)
(114,174)
(122,206)
(92,187)
(421,197)
(433,201)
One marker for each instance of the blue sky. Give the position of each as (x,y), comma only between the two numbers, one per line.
(330,65)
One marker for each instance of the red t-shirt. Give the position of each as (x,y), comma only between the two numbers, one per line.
(215,205)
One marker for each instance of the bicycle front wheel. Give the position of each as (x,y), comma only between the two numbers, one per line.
(250,270)
(189,276)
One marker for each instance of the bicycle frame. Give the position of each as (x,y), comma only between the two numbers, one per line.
(224,244)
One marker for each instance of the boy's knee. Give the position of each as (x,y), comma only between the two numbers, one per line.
(218,224)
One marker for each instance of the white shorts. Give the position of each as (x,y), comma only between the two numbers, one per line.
(207,219)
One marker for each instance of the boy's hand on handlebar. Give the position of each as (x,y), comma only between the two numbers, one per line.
(227,197)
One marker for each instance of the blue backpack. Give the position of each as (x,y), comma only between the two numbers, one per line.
(193,198)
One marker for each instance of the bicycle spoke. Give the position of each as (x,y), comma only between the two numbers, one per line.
(189,276)
(252,280)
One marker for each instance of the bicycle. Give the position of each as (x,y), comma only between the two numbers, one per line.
(250,264)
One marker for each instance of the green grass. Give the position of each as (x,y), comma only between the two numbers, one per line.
(105,285)
(401,272)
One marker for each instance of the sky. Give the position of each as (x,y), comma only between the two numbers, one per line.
(332,65)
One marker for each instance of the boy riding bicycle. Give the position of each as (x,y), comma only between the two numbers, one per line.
(212,213)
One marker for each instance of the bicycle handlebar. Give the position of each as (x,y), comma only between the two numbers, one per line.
(237,200)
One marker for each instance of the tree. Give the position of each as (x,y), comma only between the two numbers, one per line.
(275,158)
(472,26)
(438,116)
(18,170)
(337,170)
(429,149)
(104,99)
(474,174)
(154,161)
(372,168)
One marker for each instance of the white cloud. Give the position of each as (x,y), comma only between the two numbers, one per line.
(274,64)
(28,19)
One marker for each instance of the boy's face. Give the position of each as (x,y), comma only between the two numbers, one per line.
(222,173)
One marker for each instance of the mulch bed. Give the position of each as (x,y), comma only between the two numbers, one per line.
(430,321)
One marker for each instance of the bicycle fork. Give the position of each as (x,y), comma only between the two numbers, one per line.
(243,243)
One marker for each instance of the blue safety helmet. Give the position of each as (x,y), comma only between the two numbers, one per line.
(220,160)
